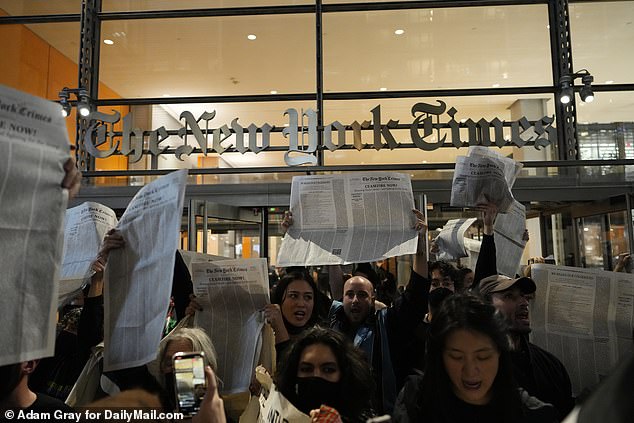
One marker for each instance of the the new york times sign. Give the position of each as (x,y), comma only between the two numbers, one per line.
(200,133)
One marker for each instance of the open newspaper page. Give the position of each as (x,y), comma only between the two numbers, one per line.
(509,243)
(232,294)
(86,226)
(138,277)
(480,179)
(451,241)
(190,257)
(511,167)
(33,148)
(340,219)
(584,317)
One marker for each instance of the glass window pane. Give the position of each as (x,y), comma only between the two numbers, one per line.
(209,56)
(137,5)
(39,7)
(40,59)
(605,129)
(599,33)
(466,47)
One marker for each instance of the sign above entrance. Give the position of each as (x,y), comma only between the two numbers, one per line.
(303,126)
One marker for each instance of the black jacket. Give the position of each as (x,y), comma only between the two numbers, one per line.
(408,409)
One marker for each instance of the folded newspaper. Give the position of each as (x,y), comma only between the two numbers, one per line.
(450,241)
(484,176)
(352,218)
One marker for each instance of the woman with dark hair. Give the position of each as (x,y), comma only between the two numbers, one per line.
(468,374)
(296,304)
(323,367)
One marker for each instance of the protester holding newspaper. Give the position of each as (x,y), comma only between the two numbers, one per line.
(295,306)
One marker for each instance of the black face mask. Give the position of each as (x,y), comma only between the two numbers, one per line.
(312,392)
(437,296)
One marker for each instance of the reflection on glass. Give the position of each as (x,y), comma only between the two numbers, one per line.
(437,48)
(598,31)
(592,234)
(39,7)
(39,59)
(209,56)
(136,5)
(619,238)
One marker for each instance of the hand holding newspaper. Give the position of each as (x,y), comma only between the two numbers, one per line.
(232,294)
(484,176)
(33,149)
(86,226)
(353,218)
(138,278)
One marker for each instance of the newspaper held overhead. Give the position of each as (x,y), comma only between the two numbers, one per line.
(353,218)
(509,239)
(484,176)
(139,276)
(585,318)
(451,241)
(33,149)
(86,227)
(232,294)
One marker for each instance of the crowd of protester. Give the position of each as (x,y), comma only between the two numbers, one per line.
(452,346)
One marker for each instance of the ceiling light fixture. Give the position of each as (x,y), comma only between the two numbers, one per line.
(108,42)
(399,32)
(273,92)
(609,82)
(566,86)
(382,89)
(252,37)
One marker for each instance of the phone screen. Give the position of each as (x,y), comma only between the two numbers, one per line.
(189,375)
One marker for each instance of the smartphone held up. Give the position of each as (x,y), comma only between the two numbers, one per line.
(189,381)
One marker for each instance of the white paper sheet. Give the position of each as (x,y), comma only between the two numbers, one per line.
(138,277)
(33,148)
(232,294)
(509,243)
(86,226)
(484,176)
(352,218)
(584,317)
(451,241)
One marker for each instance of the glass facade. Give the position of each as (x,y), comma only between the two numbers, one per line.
(344,65)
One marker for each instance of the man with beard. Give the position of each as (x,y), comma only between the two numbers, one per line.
(536,370)
(383,334)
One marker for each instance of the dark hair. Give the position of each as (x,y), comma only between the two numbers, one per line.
(460,277)
(319,304)
(356,382)
(468,312)
(445,269)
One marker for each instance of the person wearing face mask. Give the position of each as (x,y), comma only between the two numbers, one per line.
(468,376)
(295,306)
(323,368)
